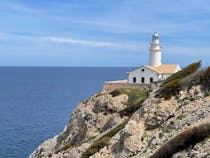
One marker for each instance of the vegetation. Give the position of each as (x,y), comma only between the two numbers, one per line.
(128,111)
(170,89)
(206,79)
(136,97)
(180,117)
(102,142)
(63,148)
(132,93)
(173,84)
(183,141)
(184,72)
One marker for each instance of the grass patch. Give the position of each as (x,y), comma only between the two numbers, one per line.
(128,111)
(183,141)
(136,97)
(134,94)
(184,72)
(101,143)
(170,89)
(206,79)
(207,93)
(180,117)
(63,148)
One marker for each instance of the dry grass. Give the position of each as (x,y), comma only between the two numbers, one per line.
(206,79)
(101,143)
(172,85)
(183,141)
(190,69)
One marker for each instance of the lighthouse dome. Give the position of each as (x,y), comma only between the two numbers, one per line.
(155,36)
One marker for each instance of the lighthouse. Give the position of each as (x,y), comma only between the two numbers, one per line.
(155,51)
(148,74)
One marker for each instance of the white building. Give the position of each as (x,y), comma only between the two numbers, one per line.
(156,71)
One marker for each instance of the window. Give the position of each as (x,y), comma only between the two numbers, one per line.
(151,80)
(142,70)
(142,80)
(134,79)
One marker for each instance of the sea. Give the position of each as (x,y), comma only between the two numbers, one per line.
(36,102)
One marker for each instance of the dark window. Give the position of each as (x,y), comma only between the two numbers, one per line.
(151,80)
(134,79)
(142,80)
(142,70)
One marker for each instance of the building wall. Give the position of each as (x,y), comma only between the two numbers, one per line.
(147,74)
(178,68)
(165,76)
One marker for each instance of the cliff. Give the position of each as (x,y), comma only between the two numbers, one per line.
(169,119)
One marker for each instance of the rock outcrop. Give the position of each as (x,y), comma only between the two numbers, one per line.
(90,120)
(152,125)
(120,125)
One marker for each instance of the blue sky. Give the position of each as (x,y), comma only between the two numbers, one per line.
(102,32)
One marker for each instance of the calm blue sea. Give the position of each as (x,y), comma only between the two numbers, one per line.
(36,102)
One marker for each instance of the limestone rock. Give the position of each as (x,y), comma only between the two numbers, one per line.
(46,149)
(91,118)
(151,126)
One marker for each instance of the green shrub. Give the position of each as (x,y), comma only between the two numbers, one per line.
(96,147)
(173,84)
(183,140)
(128,111)
(136,97)
(180,117)
(184,72)
(206,93)
(128,91)
(117,129)
(101,143)
(170,89)
(192,80)
(63,148)
(206,79)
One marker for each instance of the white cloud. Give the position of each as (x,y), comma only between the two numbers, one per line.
(81,42)
(71,41)
(192,47)
(90,43)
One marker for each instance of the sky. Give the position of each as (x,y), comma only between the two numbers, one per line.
(102,32)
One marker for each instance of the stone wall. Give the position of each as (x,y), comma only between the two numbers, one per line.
(112,85)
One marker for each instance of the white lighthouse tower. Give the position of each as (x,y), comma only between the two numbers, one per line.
(155,51)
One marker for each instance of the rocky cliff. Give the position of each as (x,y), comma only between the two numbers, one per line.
(139,123)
